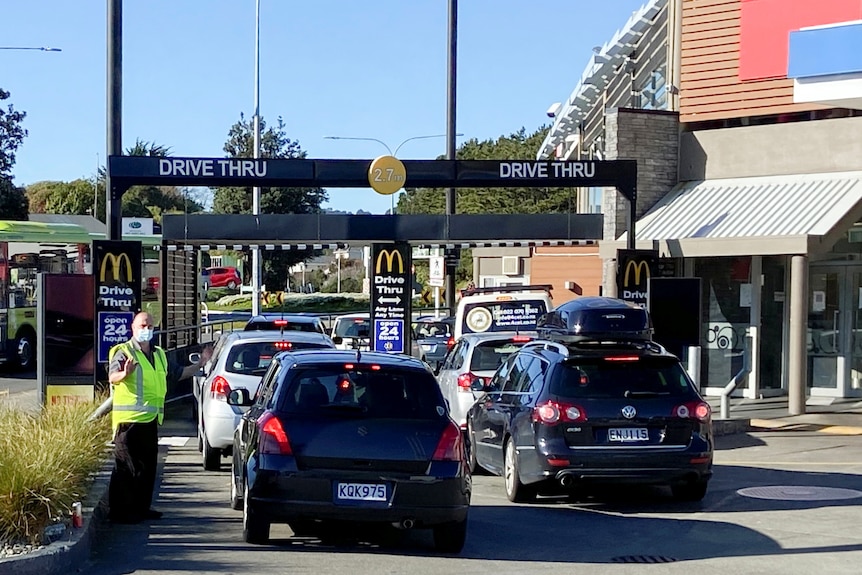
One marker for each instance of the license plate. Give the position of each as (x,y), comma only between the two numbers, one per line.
(429,347)
(360,492)
(628,434)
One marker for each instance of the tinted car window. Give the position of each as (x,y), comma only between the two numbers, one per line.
(267,386)
(516,375)
(489,355)
(277,324)
(353,328)
(383,393)
(432,329)
(248,357)
(601,378)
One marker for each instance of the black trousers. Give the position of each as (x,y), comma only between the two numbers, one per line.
(136,451)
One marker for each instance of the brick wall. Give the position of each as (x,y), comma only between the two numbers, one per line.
(557,265)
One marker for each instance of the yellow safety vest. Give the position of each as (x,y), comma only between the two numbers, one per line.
(140,397)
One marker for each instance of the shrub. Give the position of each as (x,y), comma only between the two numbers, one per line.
(48,459)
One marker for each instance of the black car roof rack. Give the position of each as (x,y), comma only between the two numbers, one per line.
(547,288)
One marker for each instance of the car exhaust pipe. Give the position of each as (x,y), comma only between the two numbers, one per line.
(566,480)
(407,524)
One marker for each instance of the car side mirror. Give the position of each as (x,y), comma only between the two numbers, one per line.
(337,340)
(239,397)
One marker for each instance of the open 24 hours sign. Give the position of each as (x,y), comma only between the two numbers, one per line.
(391,295)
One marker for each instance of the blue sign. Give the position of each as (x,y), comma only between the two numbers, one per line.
(389,335)
(114,327)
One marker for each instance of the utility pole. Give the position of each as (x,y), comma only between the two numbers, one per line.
(114,206)
(451,264)
(255,209)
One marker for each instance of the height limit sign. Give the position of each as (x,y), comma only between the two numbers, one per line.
(391,296)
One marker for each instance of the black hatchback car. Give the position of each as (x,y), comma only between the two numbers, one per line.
(285,322)
(335,441)
(595,403)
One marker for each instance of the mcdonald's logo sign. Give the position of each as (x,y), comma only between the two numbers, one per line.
(116,264)
(636,268)
(390,257)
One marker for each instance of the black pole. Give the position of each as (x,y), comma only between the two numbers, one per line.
(451,263)
(113,200)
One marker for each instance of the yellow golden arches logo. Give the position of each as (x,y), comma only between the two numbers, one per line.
(390,256)
(116,265)
(641,267)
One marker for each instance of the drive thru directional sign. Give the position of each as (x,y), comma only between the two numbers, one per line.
(390,297)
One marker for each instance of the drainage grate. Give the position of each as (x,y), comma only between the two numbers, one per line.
(799,493)
(642,559)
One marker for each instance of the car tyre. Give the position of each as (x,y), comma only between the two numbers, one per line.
(515,490)
(236,500)
(231,284)
(211,455)
(255,529)
(25,350)
(450,537)
(691,491)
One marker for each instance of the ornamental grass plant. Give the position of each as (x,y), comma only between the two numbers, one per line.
(48,459)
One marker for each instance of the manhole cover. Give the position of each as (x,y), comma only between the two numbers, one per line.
(642,559)
(799,493)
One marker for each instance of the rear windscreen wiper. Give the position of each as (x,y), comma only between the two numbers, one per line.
(630,393)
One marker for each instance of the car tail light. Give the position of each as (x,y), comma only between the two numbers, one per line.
(521,338)
(465,380)
(622,358)
(283,345)
(699,410)
(450,342)
(219,388)
(280,322)
(273,439)
(553,412)
(451,445)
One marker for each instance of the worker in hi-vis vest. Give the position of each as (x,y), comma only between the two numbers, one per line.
(139,372)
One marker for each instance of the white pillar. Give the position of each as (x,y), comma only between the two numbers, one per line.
(753,390)
(797,351)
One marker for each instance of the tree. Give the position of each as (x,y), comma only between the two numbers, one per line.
(13,201)
(11,135)
(274,143)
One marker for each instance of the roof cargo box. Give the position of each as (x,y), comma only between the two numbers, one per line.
(596,318)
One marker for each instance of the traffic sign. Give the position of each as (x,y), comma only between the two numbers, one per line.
(436,270)
(436,282)
(387,175)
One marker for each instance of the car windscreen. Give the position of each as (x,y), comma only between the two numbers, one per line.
(246,358)
(340,390)
(277,324)
(353,328)
(509,315)
(620,377)
(489,355)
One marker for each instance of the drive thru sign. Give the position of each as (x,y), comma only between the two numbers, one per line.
(391,296)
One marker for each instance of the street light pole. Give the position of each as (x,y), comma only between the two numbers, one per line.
(450,140)
(255,194)
(40,48)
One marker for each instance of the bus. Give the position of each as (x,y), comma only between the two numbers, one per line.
(27,249)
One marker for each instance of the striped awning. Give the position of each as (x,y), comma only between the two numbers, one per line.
(758,215)
(173,247)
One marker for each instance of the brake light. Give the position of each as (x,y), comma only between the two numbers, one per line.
(358,321)
(699,410)
(280,322)
(622,358)
(451,445)
(219,388)
(503,298)
(450,342)
(465,381)
(348,366)
(553,412)
(344,386)
(273,439)
(375,368)
(521,338)
(283,345)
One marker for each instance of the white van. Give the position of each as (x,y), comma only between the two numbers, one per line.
(352,331)
(505,308)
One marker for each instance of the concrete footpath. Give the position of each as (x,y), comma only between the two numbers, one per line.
(70,552)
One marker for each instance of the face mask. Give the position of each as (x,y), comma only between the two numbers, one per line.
(144,335)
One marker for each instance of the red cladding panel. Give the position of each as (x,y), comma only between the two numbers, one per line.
(766,25)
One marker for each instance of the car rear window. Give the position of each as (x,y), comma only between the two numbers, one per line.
(509,315)
(246,358)
(363,391)
(432,329)
(275,324)
(489,355)
(621,377)
(353,328)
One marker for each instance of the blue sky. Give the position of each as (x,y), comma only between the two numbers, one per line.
(350,68)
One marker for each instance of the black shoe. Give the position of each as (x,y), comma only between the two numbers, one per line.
(152,514)
(125,519)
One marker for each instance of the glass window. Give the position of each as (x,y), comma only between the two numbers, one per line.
(653,94)
(516,374)
(489,355)
(599,378)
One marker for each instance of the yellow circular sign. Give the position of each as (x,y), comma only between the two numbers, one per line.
(387,175)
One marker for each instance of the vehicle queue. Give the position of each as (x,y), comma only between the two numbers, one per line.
(339,442)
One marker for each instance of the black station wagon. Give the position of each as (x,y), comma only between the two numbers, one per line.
(595,402)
